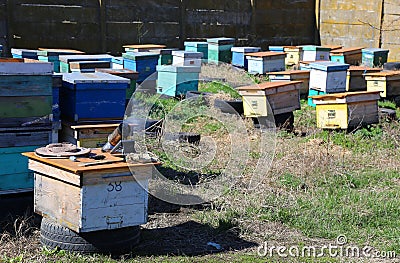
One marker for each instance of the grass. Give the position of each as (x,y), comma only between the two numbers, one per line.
(322,184)
(218,87)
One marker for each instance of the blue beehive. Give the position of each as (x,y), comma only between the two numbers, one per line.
(177,80)
(238,55)
(374,57)
(93,96)
(24,53)
(314,92)
(197,47)
(143,62)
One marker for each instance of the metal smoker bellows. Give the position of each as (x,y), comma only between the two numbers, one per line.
(115,142)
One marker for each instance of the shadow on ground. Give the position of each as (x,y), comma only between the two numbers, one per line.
(188,238)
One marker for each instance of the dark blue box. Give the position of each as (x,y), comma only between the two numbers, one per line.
(93,96)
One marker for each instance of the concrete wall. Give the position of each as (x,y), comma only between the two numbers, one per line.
(367,23)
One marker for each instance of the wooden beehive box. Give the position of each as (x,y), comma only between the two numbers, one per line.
(88,135)
(219,49)
(293,55)
(239,55)
(347,110)
(166,57)
(66,59)
(263,62)
(333,47)
(313,92)
(374,57)
(53,55)
(387,82)
(350,55)
(24,53)
(88,66)
(91,198)
(15,176)
(197,47)
(93,96)
(328,76)
(186,58)
(124,73)
(143,62)
(25,92)
(355,77)
(282,97)
(142,47)
(177,80)
(314,53)
(292,75)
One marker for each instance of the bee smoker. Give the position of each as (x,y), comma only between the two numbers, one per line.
(114,141)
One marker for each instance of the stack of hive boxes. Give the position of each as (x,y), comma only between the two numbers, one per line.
(53,55)
(92,105)
(336,108)
(182,76)
(26,100)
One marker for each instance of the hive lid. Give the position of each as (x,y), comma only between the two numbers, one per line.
(24,52)
(47,52)
(314,48)
(289,72)
(96,77)
(346,97)
(118,72)
(385,73)
(276,48)
(221,40)
(268,85)
(346,51)
(374,50)
(364,69)
(187,54)
(329,66)
(68,58)
(265,54)
(24,66)
(245,49)
(144,46)
(139,55)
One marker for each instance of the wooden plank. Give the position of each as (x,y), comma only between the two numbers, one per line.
(56,173)
(57,200)
(27,138)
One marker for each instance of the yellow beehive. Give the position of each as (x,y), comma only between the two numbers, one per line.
(293,55)
(387,82)
(270,98)
(355,77)
(88,136)
(346,110)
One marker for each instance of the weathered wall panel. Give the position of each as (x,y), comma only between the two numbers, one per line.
(391,29)
(348,23)
(3,23)
(60,23)
(368,23)
(105,25)
(286,22)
